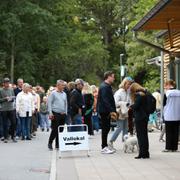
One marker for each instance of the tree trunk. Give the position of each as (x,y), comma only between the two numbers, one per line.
(12,60)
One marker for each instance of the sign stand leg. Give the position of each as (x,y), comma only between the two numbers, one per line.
(60,154)
(88,155)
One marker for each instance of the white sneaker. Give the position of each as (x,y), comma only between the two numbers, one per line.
(90,136)
(107,150)
(110,146)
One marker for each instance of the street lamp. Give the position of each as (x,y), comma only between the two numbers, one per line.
(155,60)
(121,67)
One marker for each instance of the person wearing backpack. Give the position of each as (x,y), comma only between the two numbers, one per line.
(171,116)
(139,107)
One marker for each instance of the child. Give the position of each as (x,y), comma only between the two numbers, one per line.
(44,115)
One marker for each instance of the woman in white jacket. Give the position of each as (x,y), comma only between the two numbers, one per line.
(171,116)
(122,100)
(25,108)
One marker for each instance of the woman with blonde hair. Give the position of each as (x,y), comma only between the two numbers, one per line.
(88,101)
(25,109)
(122,100)
(95,116)
(138,97)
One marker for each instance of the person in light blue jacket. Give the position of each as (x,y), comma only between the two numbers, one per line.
(171,116)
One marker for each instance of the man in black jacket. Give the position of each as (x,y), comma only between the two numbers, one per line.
(106,107)
(77,103)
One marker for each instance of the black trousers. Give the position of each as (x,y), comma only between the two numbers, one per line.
(9,116)
(105,120)
(34,123)
(130,121)
(142,137)
(88,122)
(59,120)
(172,135)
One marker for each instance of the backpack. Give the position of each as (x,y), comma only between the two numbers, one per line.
(150,103)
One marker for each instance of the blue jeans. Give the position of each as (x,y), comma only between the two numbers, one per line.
(18,126)
(77,119)
(38,119)
(95,120)
(25,125)
(68,119)
(1,126)
(122,125)
(44,121)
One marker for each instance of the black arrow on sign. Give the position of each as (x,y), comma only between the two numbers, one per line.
(74,143)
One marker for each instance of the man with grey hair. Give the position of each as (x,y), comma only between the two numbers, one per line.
(20,83)
(57,108)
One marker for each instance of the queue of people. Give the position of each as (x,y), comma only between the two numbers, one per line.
(25,108)
(19,111)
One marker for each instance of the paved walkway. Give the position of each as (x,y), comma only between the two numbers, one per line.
(119,166)
(31,160)
(26,160)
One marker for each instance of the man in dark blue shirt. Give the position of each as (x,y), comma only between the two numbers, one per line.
(106,107)
(17,90)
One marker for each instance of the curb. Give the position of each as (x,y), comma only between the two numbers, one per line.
(53,167)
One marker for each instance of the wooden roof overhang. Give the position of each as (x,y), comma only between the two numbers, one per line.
(164,15)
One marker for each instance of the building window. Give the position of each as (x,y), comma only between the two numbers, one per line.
(171,69)
(177,66)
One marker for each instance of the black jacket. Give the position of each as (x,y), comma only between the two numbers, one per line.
(106,103)
(17,91)
(88,100)
(139,107)
(76,101)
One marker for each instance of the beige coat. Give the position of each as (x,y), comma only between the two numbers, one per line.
(121,98)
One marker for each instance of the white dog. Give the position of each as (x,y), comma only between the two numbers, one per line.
(129,144)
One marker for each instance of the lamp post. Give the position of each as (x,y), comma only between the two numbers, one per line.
(121,67)
(124,31)
(159,61)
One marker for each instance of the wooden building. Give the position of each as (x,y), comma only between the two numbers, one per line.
(165,15)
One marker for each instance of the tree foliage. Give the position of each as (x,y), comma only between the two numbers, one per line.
(67,39)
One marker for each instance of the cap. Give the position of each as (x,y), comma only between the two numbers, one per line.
(129,78)
(79,81)
(6,80)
